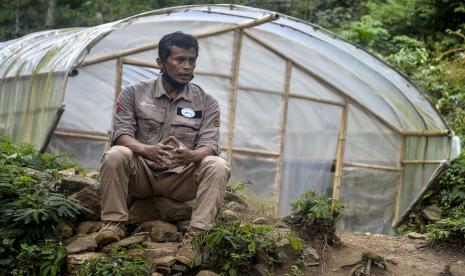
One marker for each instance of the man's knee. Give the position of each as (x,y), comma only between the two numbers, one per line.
(116,156)
(217,165)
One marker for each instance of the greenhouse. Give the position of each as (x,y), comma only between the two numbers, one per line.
(301,107)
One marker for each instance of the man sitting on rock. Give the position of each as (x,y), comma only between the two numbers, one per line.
(165,143)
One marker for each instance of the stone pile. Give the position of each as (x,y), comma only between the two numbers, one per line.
(160,223)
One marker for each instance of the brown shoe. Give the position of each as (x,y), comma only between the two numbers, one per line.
(113,231)
(186,254)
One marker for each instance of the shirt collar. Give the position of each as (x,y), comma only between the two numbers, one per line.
(159,91)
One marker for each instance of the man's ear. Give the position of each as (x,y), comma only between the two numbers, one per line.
(160,64)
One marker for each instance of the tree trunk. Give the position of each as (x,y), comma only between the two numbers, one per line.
(50,19)
(17,18)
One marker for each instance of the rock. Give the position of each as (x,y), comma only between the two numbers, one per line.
(89,199)
(260,270)
(74,183)
(260,220)
(416,236)
(93,174)
(68,172)
(432,213)
(89,226)
(155,250)
(162,270)
(70,240)
(165,261)
(206,273)
(311,252)
(290,254)
(131,240)
(37,175)
(72,261)
(183,225)
(179,268)
(83,243)
(156,274)
(136,251)
(164,232)
(159,208)
(230,215)
(63,230)
(232,197)
(367,234)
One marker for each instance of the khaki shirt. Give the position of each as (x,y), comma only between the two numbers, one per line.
(145,112)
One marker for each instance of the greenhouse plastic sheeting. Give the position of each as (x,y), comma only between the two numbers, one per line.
(285,104)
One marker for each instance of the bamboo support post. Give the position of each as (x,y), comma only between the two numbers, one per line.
(340,150)
(234,86)
(263,153)
(282,139)
(425,156)
(370,166)
(425,133)
(443,166)
(151,46)
(322,81)
(315,99)
(401,181)
(422,162)
(54,125)
(80,135)
(142,63)
(118,79)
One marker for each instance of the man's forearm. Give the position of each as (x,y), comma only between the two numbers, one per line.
(202,152)
(133,144)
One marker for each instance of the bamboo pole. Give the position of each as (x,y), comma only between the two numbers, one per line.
(291,95)
(151,46)
(118,79)
(315,99)
(439,170)
(143,63)
(54,125)
(81,135)
(340,150)
(400,184)
(422,162)
(263,153)
(425,156)
(323,81)
(425,133)
(282,139)
(233,98)
(370,166)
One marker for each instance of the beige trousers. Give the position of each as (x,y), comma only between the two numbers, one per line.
(123,174)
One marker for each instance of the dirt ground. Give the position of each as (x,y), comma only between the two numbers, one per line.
(411,260)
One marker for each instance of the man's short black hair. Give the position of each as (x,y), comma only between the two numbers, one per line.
(179,39)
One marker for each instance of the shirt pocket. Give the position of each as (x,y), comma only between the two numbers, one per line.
(149,130)
(185,130)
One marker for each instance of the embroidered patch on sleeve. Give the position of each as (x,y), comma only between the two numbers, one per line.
(216,123)
(118,107)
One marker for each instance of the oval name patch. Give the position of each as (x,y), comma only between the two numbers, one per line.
(187,112)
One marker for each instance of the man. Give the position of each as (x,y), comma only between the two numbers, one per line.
(165,142)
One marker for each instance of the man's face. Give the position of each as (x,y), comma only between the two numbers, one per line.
(180,64)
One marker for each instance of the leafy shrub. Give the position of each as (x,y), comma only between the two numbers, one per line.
(117,263)
(230,247)
(29,212)
(316,215)
(447,231)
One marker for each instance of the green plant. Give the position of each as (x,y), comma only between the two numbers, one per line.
(238,186)
(230,247)
(447,231)
(29,212)
(316,215)
(117,263)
